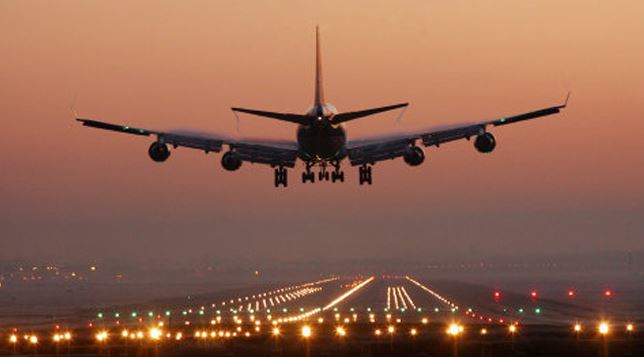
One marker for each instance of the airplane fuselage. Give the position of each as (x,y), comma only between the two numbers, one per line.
(322,140)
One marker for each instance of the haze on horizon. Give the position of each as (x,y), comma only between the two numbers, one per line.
(570,183)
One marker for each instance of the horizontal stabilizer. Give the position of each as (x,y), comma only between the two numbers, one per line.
(342,117)
(293,118)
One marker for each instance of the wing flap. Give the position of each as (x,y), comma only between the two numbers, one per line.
(371,153)
(194,142)
(443,136)
(265,154)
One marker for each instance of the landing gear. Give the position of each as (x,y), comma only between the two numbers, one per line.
(365,174)
(337,174)
(308,175)
(281,177)
(323,175)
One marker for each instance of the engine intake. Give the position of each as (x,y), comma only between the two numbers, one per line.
(414,156)
(231,161)
(485,143)
(159,152)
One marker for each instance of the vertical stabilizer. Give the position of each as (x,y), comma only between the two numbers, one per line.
(319,92)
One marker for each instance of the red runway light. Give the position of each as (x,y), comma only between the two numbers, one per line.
(608,293)
(533,294)
(571,293)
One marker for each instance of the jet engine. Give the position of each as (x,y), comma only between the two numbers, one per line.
(485,143)
(159,152)
(414,156)
(231,161)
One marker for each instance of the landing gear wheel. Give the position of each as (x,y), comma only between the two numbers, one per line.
(337,176)
(308,176)
(365,174)
(281,177)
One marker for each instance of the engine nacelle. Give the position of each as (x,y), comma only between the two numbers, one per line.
(159,152)
(485,143)
(414,156)
(231,161)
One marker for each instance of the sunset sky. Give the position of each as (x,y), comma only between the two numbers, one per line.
(570,183)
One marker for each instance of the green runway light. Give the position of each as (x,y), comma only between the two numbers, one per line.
(167,313)
(134,314)
(335,309)
(116,314)
(419,309)
(369,309)
(537,311)
(284,310)
(436,309)
(301,309)
(184,312)
(150,313)
(218,312)
(100,315)
(352,309)
(200,312)
(521,310)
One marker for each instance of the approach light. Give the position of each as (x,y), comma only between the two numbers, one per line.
(391,330)
(306,331)
(630,327)
(577,328)
(483,331)
(155,333)
(340,331)
(512,329)
(13,338)
(276,331)
(454,329)
(101,336)
(33,339)
(603,328)
(413,332)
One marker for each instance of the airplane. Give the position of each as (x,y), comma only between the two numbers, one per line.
(321,139)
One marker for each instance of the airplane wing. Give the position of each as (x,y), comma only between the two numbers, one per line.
(370,151)
(264,151)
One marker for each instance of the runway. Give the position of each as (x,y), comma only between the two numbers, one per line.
(365,309)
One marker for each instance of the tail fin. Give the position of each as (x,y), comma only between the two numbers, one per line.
(319,92)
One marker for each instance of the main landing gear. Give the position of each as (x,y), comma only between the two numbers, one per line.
(323,174)
(365,174)
(281,177)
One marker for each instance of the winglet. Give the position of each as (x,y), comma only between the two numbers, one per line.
(566,102)
(72,107)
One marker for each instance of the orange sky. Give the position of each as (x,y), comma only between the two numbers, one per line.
(564,181)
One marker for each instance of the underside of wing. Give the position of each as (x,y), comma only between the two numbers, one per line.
(370,151)
(263,151)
